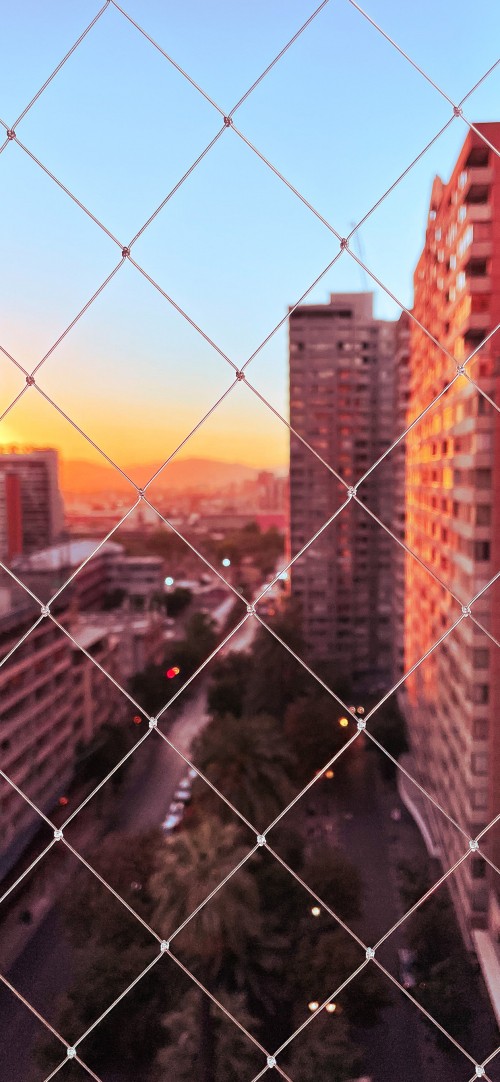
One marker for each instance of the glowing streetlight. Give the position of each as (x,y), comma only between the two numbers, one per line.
(283,575)
(226,562)
(331,1008)
(329,774)
(169,581)
(313,1005)
(344,722)
(315,911)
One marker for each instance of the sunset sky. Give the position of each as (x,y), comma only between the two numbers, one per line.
(341,116)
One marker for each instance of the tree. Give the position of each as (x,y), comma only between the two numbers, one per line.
(332,876)
(445,993)
(277,678)
(248,761)
(325,959)
(126,862)
(109,744)
(324,1051)
(432,931)
(235,1057)
(151,687)
(227,690)
(221,943)
(389,727)
(178,600)
(222,938)
(110,949)
(312,727)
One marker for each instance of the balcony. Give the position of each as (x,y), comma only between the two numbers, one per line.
(480,283)
(479,180)
(479,212)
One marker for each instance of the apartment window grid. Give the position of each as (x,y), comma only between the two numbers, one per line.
(469,848)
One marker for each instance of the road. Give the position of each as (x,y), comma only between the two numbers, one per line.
(399,1048)
(43,970)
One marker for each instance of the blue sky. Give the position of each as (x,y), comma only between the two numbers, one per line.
(341,116)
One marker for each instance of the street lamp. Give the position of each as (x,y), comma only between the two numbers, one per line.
(226,562)
(313,1005)
(169,581)
(344,722)
(315,911)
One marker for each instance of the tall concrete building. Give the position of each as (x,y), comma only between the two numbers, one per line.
(53,700)
(398,467)
(453,525)
(342,405)
(31,509)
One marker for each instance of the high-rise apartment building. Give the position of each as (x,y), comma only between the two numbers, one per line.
(452,524)
(342,405)
(398,465)
(31,509)
(52,701)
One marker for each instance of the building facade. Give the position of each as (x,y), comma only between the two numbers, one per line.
(31,508)
(398,461)
(52,701)
(453,523)
(342,405)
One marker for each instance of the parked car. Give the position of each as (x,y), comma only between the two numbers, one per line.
(407,960)
(171,822)
(182,796)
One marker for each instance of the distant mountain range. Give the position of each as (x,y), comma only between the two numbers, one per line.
(82,477)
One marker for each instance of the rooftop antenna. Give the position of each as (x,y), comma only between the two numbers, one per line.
(361,254)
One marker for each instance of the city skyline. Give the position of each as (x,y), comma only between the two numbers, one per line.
(240,246)
(192,593)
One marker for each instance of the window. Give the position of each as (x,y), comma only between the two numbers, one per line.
(480,729)
(481,693)
(479,798)
(479,763)
(483,514)
(483,476)
(481,657)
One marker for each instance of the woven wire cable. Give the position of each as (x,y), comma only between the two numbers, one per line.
(251,613)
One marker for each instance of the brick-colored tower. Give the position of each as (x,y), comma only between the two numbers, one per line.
(453,520)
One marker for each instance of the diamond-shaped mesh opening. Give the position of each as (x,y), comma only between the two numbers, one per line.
(252,718)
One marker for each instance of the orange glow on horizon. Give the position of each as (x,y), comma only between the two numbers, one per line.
(130,442)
